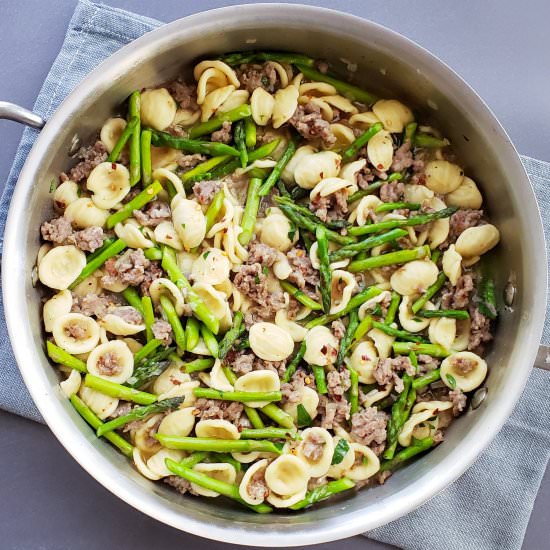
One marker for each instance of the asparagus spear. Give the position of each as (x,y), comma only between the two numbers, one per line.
(408,222)
(451,313)
(209,340)
(300,296)
(320,379)
(353,394)
(215,123)
(397,418)
(202,170)
(250,210)
(146,166)
(302,222)
(354,303)
(199,365)
(240,142)
(172,317)
(418,447)
(59,355)
(410,132)
(192,333)
(112,250)
(306,212)
(351,250)
(123,139)
(266,433)
(403,334)
(198,307)
(323,492)
(426,380)
(221,487)
(389,206)
(391,258)
(392,308)
(347,339)
(138,413)
(146,350)
(153,254)
(147,368)
(90,417)
(430,142)
(369,190)
(240,396)
(352,150)
(238,58)
(118,390)
(431,290)
(231,335)
(324,267)
(364,326)
(106,244)
(404,348)
(212,148)
(148,316)
(488,304)
(436,254)
(348,90)
(278,415)
(278,168)
(137,203)
(250,132)
(134,110)
(216,445)
(214,209)
(292,366)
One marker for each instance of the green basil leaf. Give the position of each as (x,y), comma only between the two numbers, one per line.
(303,416)
(342,447)
(451,380)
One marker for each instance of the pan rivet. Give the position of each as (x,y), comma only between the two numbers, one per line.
(479,396)
(509,293)
(75,145)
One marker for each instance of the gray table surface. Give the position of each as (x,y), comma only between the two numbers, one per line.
(46,501)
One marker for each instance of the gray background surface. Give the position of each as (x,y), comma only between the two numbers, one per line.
(499,46)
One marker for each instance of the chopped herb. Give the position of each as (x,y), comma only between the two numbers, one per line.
(451,380)
(206,254)
(183,226)
(257,280)
(53,185)
(292,232)
(303,416)
(265,270)
(340,451)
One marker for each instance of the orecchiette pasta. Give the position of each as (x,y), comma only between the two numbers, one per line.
(83,213)
(380,150)
(316,450)
(414,277)
(71,384)
(421,413)
(314,167)
(158,108)
(321,346)
(464,370)
(365,465)
(58,305)
(110,132)
(308,398)
(258,381)
(451,263)
(65,194)
(246,487)
(478,240)
(61,266)
(189,222)
(217,429)
(443,176)
(75,333)
(364,360)
(115,324)
(179,423)
(109,183)
(286,101)
(287,475)
(393,114)
(270,342)
(113,361)
(132,236)
(102,405)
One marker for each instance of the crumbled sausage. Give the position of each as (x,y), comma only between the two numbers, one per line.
(57,230)
(458,399)
(369,426)
(128,313)
(303,271)
(480,330)
(206,190)
(94,304)
(153,272)
(184,94)
(89,158)
(190,161)
(257,487)
(461,220)
(392,192)
(331,207)
(154,213)
(458,297)
(402,158)
(310,124)
(108,364)
(313,446)
(332,413)
(254,75)
(259,253)
(338,382)
(213,408)
(128,268)
(89,239)
(223,135)
(162,331)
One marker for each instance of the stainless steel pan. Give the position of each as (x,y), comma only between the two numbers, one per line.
(387,63)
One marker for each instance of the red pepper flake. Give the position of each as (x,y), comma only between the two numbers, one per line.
(113,165)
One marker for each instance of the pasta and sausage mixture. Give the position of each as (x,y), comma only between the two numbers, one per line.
(267,284)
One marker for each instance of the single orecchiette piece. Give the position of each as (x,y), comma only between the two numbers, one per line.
(275,231)
(302,152)
(111,131)
(393,114)
(211,267)
(178,423)
(142,435)
(363,120)
(261,105)
(71,384)
(287,475)
(109,183)
(297,332)
(414,277)
(221,471)
(421,413)
(380,150)
(443,176)
(312,168)
(117,325)
(343,286)
(65,194)
(462,338)
(172,377)
(258,381)
(236,99)
(464,370)
(164,157)
(364,360)
(336,471)
(216,378)
(442,331)
(214,100)
(366,463)
(270,342)
(308,398)
(228,73)
(328,186)
(417,193)
(216,428)
(215,301)
(83,213)
(166,287)
(466,195)
(158,108)
(321,346)
(382,342)
(132,236)
(286,102)
(58,305)
(350,170)
(476,241)
(90,285)
(113,361)
(157,463)
(439,229)
(344,136)
(75,333)
(165,233)
(61,266)
(189,222)
(102,405)
(316,450)
(451,264)
(247,488)
(365,210)
(410,321)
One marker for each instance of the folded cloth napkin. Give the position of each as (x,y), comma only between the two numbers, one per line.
(490,505)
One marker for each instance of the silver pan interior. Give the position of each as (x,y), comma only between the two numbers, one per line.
(387,63)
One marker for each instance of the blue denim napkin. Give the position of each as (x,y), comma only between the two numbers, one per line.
(490,505)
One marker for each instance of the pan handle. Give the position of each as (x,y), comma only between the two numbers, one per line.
(11,111)
(543,358)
